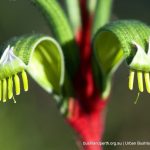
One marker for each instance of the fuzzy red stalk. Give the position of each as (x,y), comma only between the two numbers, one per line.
(86,110)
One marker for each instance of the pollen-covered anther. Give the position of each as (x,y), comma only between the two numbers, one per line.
(147,81)
(17,84)
(131,79)
(25,80)
(10,88)
(4,89)
(140,80)
(6,86)
(0,90)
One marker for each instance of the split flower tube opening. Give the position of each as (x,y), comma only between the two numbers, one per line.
(40,56)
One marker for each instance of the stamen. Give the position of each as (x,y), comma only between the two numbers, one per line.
(131,80)
(140,81)
(25,80)
(4,90)
(10,88)
(17,84)
(147,81)
(0,90)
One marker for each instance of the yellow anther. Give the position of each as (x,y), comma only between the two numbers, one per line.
(131,80)
(147,81)
(17,84)
(0,90)
(140,81)
(10,88)
(4,90)
(25,80)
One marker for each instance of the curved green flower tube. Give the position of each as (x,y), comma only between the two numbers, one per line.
(119,40)
(61,29)
(40,55)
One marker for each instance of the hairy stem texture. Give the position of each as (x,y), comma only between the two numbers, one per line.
(86,110)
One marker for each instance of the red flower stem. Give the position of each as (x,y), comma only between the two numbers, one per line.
(86,110)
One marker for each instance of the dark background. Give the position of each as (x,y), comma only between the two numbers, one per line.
(34,123)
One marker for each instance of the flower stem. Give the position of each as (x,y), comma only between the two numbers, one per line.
(102,14)
(86,110)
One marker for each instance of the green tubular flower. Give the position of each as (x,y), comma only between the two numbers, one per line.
(61,29)
(118,40)
(40,55)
